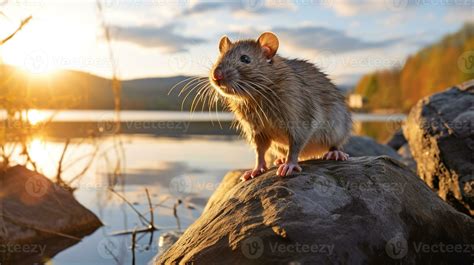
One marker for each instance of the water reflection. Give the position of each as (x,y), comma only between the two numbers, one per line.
(188,167)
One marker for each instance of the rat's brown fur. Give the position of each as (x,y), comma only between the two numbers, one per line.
(287,105)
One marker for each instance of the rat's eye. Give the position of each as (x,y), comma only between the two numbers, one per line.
(245,59)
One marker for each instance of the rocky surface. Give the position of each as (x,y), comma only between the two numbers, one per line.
(397,141)
(440,132)
(368,210)
(366,146)
(37,212)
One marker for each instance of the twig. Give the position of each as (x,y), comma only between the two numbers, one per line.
(150,206)
(134,236)
(60,163)
(143,218)
(86,168)
(22,24)
(175,213)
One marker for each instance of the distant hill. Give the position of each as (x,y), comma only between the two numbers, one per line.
(430,70)
(78,90)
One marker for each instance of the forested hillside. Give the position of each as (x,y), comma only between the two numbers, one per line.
(434,68)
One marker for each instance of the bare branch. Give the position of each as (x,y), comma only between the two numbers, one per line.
(22,24)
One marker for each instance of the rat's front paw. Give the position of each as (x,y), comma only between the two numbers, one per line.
(257,171)
(287,168)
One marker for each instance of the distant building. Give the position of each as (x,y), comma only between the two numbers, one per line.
(356,101)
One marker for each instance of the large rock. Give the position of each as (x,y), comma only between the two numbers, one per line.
(366,146)
(36,212)
(397,141)
(440,132)
(368,210)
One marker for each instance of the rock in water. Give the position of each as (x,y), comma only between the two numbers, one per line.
(440,131)
(36,212)
(368,210)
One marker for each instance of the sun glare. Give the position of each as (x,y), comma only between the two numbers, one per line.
(36,116)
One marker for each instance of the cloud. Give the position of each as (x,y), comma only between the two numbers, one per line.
(164,38)
(318,39)
(239,7)
(460,14)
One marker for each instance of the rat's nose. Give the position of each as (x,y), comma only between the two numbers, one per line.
(217,75)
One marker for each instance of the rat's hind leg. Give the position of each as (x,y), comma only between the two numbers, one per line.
(335,154)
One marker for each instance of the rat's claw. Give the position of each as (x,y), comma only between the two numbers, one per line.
(279,161)
(336,155)
(249,174)
(286,169)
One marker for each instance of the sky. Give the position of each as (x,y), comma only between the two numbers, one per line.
(152,38)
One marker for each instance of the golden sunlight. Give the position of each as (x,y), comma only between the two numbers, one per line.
(36,116)
(49,42)
(40,152)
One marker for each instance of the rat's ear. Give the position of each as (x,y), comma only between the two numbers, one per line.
(269,43)
(224,44)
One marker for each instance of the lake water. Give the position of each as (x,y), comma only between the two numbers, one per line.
(187,166)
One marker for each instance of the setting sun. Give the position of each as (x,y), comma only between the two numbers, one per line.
(50,41)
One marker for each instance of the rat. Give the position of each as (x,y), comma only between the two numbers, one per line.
(287,106)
